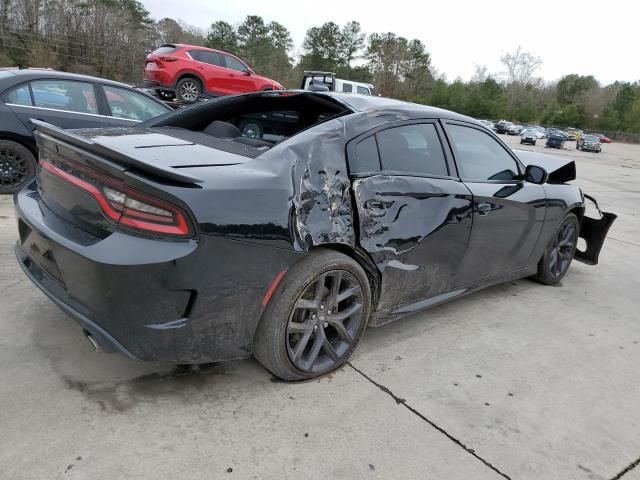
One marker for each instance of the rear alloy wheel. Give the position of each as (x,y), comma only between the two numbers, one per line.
(316,317)
(252,130)
(17,166)
(557,258)
(188,90)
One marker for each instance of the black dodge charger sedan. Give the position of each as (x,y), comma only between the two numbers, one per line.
(63,99)
(181,240)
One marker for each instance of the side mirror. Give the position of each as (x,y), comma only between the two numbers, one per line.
(535,174)
(247,72)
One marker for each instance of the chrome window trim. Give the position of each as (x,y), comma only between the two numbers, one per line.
(71,111)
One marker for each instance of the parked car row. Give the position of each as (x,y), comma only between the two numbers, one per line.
(556,138)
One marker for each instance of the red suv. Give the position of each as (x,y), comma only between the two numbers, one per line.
(188,71)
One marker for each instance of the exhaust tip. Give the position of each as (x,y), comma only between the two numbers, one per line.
(92,340)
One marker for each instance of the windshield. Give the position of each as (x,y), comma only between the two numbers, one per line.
(591,138)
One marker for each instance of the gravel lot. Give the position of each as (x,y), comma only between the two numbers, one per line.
(518,381)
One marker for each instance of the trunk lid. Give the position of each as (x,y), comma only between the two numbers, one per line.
(86,177)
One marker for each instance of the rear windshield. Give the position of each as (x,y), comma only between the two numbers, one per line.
(164,49)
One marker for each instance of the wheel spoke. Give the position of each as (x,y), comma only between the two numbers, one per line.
(320,287)
(346,313)
(567,235)
(554,260)
(328,349)
(295,327)
(348,292)
(306,304)
(301,345)
(335,285)
(343,333)
(315,350)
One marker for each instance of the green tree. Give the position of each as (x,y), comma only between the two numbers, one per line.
(222,36)
(324,48)
(572,87)
(625,99)
(608,120)
(351,42)
(631,119)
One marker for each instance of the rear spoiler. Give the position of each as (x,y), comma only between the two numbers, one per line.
(57,133)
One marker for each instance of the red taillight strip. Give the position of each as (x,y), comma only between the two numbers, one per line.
(272,288)
(120,217)
(86,186)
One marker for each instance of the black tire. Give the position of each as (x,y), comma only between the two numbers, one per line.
(293,323)
(165,94)
(558,255)
(188,89)
(17,166)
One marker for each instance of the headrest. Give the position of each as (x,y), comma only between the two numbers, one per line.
(221,129)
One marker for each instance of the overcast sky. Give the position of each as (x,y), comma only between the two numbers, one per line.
(601,38)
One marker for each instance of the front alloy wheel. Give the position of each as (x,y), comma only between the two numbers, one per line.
(560,251)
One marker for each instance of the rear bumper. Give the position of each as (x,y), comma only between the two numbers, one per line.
(156,84)
(165,301)
(58,296)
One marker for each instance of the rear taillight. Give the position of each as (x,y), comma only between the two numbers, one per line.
(167,59)
(122,205)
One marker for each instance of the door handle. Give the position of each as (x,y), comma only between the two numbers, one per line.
(484,208)
(231,75)
(374,205)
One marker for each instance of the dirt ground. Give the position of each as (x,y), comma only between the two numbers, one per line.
(517,381)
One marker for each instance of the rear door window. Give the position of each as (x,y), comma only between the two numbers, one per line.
(412,149)
(66,95)
(18,96)
(212,58)
(347,87)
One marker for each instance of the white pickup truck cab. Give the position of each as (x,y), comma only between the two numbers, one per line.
(314,80)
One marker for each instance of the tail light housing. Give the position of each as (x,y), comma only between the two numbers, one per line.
(121,204)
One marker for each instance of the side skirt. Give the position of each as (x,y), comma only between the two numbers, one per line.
(383,317)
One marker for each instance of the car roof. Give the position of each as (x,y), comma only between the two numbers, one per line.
(19,75)
(369,103)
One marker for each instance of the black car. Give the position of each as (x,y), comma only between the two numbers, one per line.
(182,241)
(555,140)
(63,99)
(589,143)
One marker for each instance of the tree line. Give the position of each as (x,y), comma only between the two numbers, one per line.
(110,38)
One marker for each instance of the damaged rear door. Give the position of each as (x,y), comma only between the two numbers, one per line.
(414,216)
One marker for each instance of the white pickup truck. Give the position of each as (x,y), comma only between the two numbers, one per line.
(315,80)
